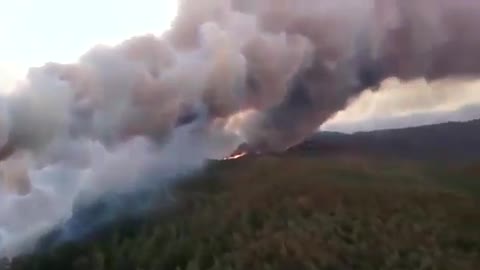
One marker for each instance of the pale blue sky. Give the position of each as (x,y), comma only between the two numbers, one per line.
(36,31)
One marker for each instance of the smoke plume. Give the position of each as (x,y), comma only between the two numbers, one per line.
(399,104)
(264,72)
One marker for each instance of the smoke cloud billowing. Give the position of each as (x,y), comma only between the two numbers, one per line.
(405,104)
(265,72)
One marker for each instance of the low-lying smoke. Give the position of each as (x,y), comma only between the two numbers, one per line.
(265,72)
(405,104)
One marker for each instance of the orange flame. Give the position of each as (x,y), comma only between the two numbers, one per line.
(237,156)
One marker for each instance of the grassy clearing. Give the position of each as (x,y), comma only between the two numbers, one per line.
(298,213)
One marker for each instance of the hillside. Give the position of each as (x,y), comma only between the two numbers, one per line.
(295,212)
(450,142)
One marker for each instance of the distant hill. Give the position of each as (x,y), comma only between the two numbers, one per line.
(452,141)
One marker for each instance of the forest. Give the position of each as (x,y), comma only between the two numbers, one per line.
(294,212)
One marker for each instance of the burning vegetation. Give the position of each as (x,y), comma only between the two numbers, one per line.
(291,63)
(243,150)
(236,156)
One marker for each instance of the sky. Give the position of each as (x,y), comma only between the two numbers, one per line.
(33,32)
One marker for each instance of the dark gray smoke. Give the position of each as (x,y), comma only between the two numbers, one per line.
(293,62)
(358,44)
(265,72)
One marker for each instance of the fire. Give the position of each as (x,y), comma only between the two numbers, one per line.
(236,156)
(242,150)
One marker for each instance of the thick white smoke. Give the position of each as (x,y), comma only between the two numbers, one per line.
(405,104)
(267,72)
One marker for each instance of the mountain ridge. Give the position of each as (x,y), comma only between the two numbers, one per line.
(450,141)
